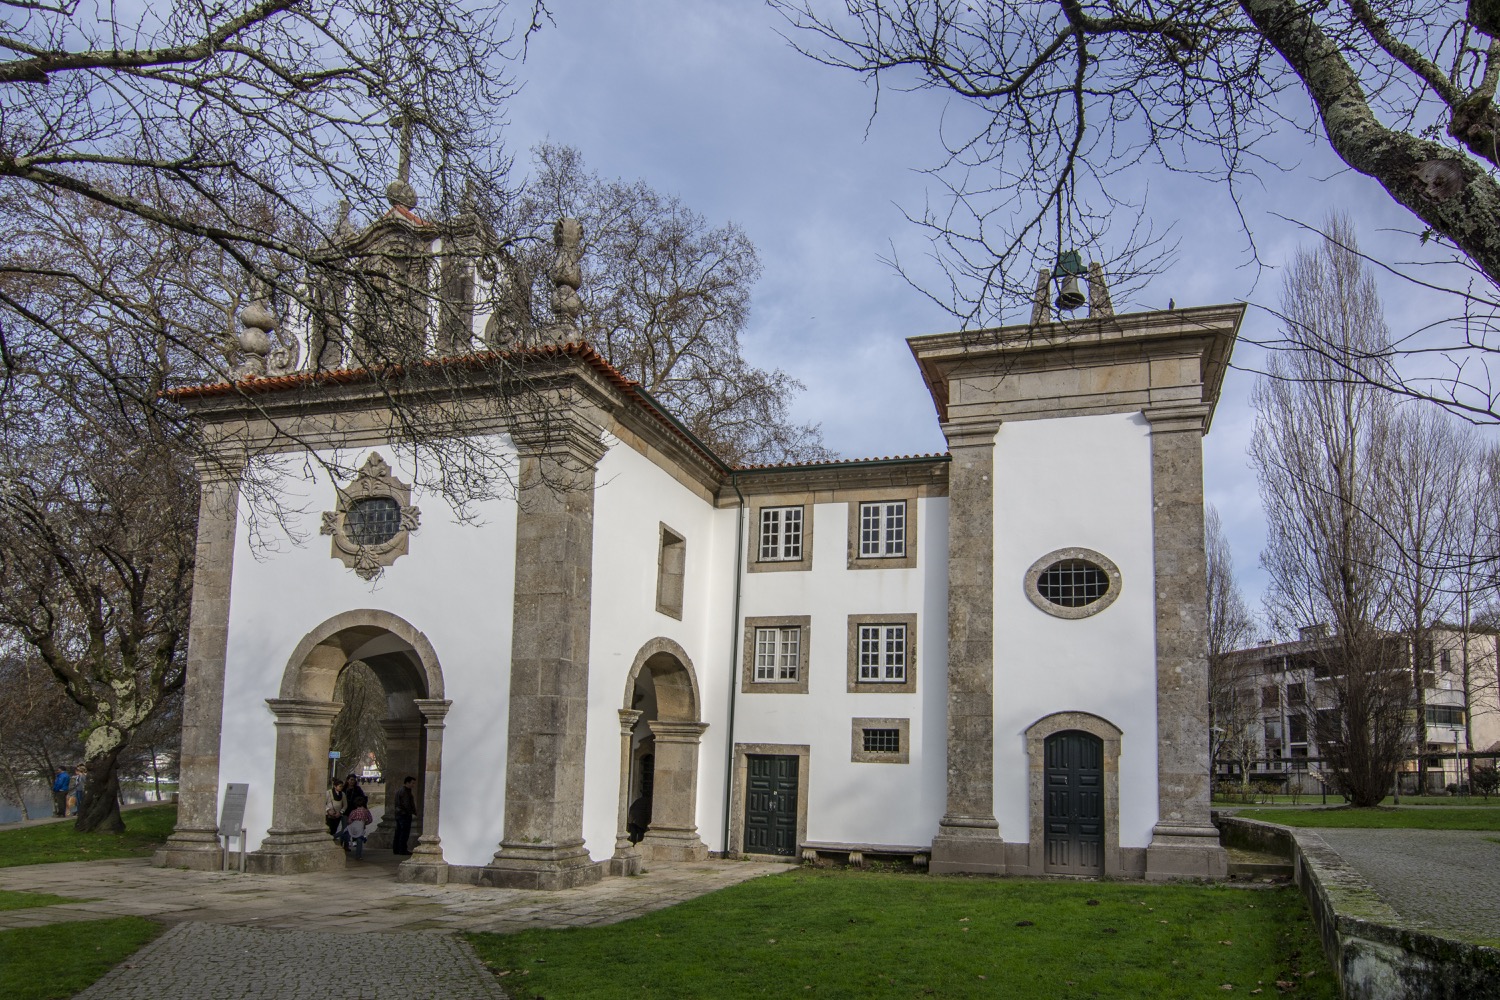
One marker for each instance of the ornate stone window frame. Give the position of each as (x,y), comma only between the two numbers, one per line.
(851,655)
(859,755)
(1034,574)
(375,479)
(908,558)
(748,683)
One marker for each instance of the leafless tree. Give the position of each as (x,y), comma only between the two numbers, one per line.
(1233,716)
(1320,443)
(1476,580)
(356,730)
(1059,102)
(668,296)
(39,729)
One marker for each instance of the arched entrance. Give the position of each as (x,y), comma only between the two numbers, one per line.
(660,733)
(405,664)
(1074,762)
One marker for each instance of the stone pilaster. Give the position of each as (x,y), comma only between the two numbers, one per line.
(549,667)
(968,838)
(195,842)
(1184,842)
(298,840)
(426,863)
(626,860)
(673,834)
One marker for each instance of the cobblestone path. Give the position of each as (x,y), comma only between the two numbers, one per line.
(195,961)
(1448,880)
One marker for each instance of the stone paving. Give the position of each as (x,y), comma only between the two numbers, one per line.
(195,961)
(1444,880)
(275,937)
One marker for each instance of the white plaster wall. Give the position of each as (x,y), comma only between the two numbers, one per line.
(1075,481)
(633,498)
(456,586)
(863,803)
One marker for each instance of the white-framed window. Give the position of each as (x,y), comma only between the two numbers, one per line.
(778,654)
(882,529)
(882,653)
(780,534)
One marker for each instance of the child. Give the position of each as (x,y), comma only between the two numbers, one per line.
(357,821)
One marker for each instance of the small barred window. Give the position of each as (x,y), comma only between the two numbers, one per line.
(373,520)
(1073,583)
(882,740)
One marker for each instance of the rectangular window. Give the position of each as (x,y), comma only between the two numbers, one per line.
(882,653)
(780,534)
(671,569)
(1270,697)
(1296,694)
(882,740)
(1297,725)
(882,529)
(778,654)
(1445,715)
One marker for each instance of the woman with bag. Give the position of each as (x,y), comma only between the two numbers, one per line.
(333,806)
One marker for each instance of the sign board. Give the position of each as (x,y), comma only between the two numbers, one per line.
(334,755)
(232,818)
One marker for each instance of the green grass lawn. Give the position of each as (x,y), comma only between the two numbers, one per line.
(1464,801)
(11,900)
(1382,817)
(848,934)
(145,829)
(43,963)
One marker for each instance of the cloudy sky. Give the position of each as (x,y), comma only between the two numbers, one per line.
(705,100)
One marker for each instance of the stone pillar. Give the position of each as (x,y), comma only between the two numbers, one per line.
(298,840)
(195,842)
(426,863)
(673,834)
(1184,842)
(403,756)
(968,838)
(549,665)
(626,860)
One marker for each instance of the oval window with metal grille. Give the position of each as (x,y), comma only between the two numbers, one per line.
(1073,583)
(372,520)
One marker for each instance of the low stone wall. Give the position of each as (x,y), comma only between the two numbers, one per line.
(1374,956)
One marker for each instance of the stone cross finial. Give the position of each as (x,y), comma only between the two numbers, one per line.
(1099,303)
(1041,306)
(400,191)
(567,277)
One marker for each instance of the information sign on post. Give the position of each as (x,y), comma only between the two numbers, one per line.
(232,818)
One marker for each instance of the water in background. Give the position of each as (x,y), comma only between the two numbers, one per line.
(39,803)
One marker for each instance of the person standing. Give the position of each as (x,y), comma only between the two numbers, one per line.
(76,787)
(333,806)
(60,792)
(406,808)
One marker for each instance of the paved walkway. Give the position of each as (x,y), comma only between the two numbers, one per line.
(1445,880)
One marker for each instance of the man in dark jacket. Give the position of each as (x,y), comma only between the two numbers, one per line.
(60,792)
(406,808)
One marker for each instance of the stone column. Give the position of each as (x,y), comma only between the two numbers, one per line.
(426,863)
(549,665)
(1184,843)
(626,860)
(403,756)
(298,840)
(673,834)
(195,842)
(968,838)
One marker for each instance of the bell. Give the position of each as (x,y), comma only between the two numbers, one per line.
(1071,296)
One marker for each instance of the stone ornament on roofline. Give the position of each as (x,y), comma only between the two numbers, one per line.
(374,520)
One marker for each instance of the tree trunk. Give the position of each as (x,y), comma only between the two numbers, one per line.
(101,798)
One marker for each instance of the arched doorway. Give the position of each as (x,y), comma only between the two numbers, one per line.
(406,666)
(660,734)
(1074,761)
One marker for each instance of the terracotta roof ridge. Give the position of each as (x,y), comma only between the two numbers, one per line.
(924,456)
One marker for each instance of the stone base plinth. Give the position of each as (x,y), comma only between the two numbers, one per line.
(198,850)
(981,855)
(423,871)
(672,845)
(295,854)
(523,866)
(1185,852)
(628,863)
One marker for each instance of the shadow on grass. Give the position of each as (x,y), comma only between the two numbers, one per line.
(145,830)
(846,934)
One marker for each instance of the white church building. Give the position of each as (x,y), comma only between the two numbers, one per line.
(990,660)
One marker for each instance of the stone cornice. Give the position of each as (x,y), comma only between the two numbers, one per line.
(930,474)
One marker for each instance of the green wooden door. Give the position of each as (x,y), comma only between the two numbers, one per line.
(771,805)
(1073,813)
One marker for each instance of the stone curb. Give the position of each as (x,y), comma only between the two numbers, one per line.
(1375,952)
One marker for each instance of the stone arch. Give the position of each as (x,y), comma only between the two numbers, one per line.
(662,710)
(404,661)
(1110,736)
